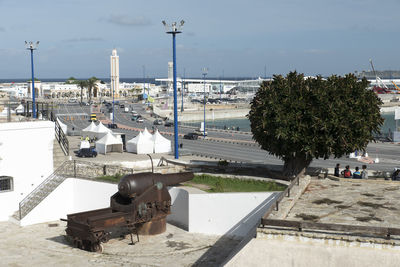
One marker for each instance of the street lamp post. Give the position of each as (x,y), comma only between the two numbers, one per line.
(32,46)
(113,88)
(205,71)
(174,29)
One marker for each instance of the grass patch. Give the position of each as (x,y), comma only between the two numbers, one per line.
(326,201)
(219,184)
(307,217)
(111,178)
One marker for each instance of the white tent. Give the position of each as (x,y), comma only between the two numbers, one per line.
(147,134)
(109,143)
(20,109)
(84,144)
(100,131)
(89,131)
(63,126)
(161,144)
(140,145)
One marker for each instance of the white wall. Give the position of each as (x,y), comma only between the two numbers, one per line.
(26,154)
(231,214)
(73,195)
(180,207)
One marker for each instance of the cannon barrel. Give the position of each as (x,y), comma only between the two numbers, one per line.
(135,184)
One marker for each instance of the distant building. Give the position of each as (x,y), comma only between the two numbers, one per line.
(114,62)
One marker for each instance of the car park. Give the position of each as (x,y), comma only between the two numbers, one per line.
(191,136)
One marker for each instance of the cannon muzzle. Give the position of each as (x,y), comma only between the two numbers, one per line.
(135,184)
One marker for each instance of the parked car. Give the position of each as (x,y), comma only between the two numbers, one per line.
(158,122)
(191,136)
(87,152)
(112,125)
(169,123)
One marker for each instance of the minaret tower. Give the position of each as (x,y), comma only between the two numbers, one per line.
(114,62)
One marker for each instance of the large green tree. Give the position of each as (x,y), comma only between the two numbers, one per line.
(299,119)
(92,84)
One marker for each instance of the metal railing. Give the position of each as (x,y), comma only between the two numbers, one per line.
(61,138)
(69,169)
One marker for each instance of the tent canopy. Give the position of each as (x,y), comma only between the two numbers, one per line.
(161,144)
(140,144)
(109,143)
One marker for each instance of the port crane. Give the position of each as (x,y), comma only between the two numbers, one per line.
(380,87)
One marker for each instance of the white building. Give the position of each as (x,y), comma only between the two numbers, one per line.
(26,159)
(114,64)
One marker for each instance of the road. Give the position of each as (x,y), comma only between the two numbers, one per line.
(233,146)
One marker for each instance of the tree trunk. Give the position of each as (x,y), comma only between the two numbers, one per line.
(296,166)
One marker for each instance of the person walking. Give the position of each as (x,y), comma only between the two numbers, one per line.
(357,173)
(364,172)
(337,170)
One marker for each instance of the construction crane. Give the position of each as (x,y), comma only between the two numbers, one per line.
(380,87)
(395,85)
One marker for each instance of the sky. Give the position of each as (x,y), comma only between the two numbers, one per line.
(231,38)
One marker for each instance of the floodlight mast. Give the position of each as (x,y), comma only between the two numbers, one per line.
(204,72)
(174,29)
(32,46)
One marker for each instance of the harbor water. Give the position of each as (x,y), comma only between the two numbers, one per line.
(243,124)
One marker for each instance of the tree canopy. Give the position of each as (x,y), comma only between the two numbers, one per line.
(298,119)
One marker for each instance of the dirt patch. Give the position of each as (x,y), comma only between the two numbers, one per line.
(371,217)
(326,201)
(375,205)
(368,195)
(342,207)
(307,217)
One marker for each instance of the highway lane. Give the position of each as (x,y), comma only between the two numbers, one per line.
(233,148)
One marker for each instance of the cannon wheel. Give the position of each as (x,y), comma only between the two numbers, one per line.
(96,247)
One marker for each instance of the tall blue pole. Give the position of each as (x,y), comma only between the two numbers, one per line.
(175,98)
(113,88)
(33,88)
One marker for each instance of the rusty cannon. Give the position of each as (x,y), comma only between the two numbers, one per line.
(140,206)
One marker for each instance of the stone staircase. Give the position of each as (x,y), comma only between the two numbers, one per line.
(43,190)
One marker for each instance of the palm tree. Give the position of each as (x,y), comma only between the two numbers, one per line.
(92,84)
(82,84)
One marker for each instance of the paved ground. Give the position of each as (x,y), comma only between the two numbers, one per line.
(45,245)
(348,201)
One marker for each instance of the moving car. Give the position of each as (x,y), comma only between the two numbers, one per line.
(158,122)
(200,132)
(139,119)
(93,117)
(191,136)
